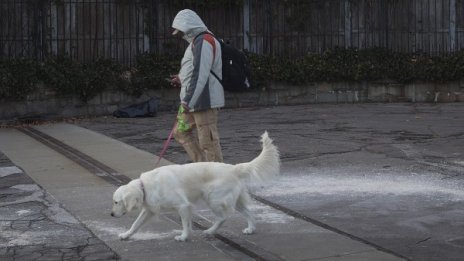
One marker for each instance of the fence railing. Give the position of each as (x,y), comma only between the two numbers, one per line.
(123,29)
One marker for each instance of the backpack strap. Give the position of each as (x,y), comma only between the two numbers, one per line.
(217,77)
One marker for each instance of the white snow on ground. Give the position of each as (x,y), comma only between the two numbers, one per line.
(114,231)
(261,213)
(266,214)
(23,212)
(6,171)
(350,184)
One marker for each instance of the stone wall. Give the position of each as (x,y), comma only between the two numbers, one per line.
(46,105)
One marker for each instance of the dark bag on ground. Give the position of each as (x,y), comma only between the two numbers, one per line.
(145,109)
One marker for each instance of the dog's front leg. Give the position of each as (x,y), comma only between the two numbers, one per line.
(141,219)
(185,213)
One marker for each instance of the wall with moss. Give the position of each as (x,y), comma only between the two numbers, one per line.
(45,104)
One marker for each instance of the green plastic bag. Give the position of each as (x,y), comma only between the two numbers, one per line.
(182,125)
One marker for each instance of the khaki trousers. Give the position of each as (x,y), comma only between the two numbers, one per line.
(206,147)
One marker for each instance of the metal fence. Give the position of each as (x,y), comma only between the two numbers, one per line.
(431,26)
(123,29)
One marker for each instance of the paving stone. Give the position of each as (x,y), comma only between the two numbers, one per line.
(33,226)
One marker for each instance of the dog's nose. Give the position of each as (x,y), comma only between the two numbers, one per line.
(112,214)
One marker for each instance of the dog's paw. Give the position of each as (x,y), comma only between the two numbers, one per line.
(124,236)
(248,231)
(209,232)
(180,238)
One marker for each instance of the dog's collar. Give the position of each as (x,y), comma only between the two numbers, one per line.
(143,189)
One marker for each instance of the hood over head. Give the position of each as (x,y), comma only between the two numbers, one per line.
(188,22)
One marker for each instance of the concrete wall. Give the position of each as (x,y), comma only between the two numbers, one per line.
(45,104)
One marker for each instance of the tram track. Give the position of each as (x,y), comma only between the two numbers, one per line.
(234,243)
(114,178)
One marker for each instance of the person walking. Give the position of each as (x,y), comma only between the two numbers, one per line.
(201,93)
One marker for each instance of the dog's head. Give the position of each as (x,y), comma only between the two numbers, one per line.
(126,198)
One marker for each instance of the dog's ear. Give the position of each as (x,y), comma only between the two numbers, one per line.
(130,201)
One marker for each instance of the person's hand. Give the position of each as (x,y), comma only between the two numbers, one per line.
(175,81)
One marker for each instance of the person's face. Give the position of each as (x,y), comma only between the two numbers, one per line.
(179,34)
(182,35)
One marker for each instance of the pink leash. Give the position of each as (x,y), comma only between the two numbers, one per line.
(166,144)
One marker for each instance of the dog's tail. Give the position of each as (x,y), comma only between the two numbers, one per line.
(263,167)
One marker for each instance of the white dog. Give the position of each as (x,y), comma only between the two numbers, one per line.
(176,187)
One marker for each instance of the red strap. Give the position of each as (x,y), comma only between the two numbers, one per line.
(210,39)
(166,144)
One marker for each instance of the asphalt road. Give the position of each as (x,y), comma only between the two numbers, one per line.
(392,174)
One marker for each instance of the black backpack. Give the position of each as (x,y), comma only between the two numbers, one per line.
(236,69)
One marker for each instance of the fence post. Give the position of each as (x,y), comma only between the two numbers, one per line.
(452,26)
(347,24)
(54,30)
(38,30)
(246,25)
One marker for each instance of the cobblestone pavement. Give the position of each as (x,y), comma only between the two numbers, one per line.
(33,225)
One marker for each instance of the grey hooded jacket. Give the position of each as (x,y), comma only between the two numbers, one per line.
(200,89)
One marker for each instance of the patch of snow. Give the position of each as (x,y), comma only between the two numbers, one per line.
(459,162)
(22,212)
(351,184)
(266,214)
(114,231)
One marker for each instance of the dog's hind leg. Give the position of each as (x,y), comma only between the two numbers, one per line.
(221,213)
(141,219)
(242,207)
(185,212)
(217,224)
